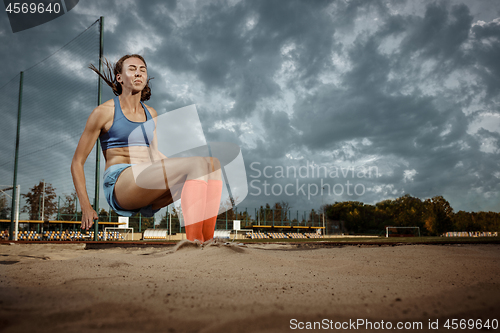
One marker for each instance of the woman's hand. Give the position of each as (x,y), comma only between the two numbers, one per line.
(88,217)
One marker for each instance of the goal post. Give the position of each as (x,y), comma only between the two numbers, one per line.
(119,229)
(123,225)
(402,231)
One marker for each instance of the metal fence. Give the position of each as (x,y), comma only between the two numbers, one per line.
(44,110)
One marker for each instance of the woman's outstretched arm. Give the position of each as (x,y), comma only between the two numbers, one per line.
(85,145)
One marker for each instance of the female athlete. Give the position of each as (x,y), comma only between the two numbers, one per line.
(138,177)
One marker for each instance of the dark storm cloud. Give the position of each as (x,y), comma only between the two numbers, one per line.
(277,126)
(440,33)
(486,46)
(238,48)
(8,124)
(216,49)
(307,24)
(365,107)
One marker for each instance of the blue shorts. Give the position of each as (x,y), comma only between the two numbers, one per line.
(110,176)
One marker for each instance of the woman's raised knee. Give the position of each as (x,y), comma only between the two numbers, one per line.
(213,163)
(216,163)
(214,168)
(199,168)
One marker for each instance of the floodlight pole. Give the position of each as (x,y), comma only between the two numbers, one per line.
(14,184)
(98,144)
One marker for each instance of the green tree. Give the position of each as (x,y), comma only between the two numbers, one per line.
(4,206)
(34,202)
(410,212)
(354,215)
(67,211)
(104,215)
(438,216)
(462,221)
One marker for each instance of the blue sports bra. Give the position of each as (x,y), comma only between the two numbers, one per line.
(125,133)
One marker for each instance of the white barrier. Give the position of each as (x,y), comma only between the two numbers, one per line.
(222,234)
(155,234)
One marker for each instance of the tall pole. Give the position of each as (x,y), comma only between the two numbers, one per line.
(323,208)
(76,209)
(324,230)
(98,144)
(43,198)
(14,184)
(17,210)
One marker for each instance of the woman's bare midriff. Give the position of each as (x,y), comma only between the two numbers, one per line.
(128,155)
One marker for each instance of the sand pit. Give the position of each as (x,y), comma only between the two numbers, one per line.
(251,288)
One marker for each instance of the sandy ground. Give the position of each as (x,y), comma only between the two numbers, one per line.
(253,288)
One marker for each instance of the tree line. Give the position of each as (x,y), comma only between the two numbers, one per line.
(433,216)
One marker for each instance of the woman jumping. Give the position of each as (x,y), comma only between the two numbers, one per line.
(139,178)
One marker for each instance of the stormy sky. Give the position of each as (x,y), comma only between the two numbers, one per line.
(365,100)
